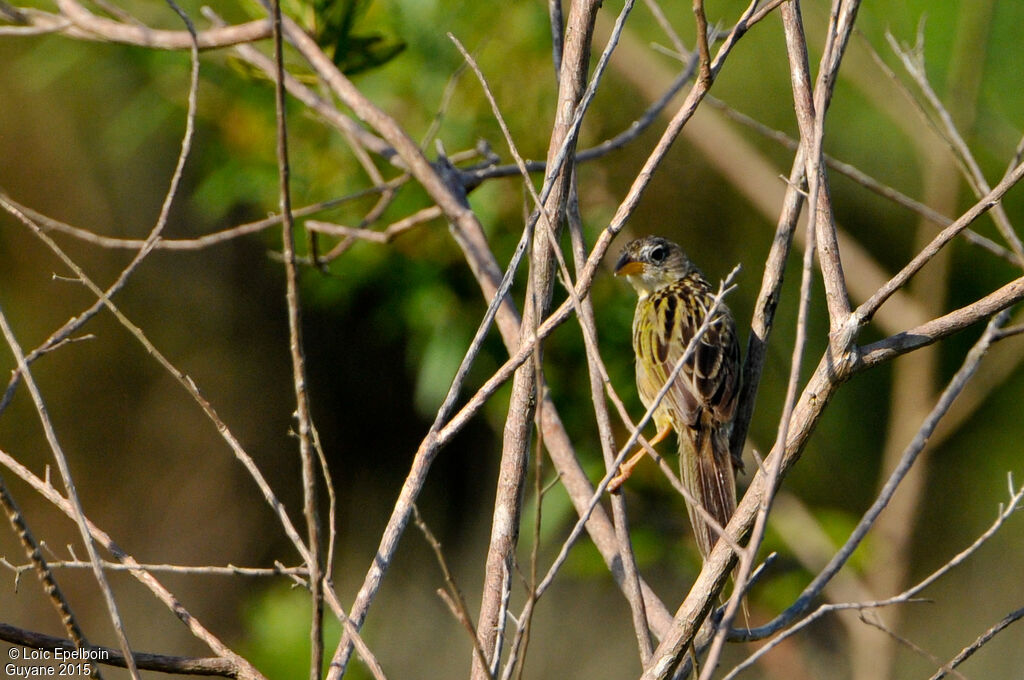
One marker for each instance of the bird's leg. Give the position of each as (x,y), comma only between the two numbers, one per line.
(626,469)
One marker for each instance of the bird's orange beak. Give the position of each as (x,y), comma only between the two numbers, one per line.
(629,268)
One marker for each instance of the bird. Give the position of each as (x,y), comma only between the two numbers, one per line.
(674,300)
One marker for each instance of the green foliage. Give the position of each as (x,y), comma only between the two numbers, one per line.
(276,640)
(333,23)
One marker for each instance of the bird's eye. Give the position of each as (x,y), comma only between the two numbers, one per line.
(658,254)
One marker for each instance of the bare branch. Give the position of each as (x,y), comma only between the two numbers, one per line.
(811,109)
(184,380)
(75,21)
(932,331)
(869,307)
(309,477)
(453,596)
(982,640)
(972,172)
(772,473)
(228,570)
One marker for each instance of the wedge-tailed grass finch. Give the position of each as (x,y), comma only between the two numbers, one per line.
(675,298)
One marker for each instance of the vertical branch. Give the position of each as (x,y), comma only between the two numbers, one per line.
(621,521)
(811,108)
(767,301)
(772,470)
(522,403)
(557,38)
(298,363)
(701,20)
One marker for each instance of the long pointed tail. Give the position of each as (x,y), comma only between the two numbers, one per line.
(706,469)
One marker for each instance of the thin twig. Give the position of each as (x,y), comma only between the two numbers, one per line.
(76,21)
(702,40)
(453,596)
(309,465)
(771,472)
(811,107)
(597,375)
(972,171)
(211,570)
(184,380)
(540,287)
(865,617)
(866,310)
(982,640)
(867,181)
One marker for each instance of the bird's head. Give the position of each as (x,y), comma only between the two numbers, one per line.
(652,262)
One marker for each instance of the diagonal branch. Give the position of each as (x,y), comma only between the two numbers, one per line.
(910,454)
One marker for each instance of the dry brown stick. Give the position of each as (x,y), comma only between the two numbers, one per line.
(200,242)
(702,41)
(62,334)
(386,235)
(763,318)
(184,380)
(521,410)
(75,21)
(864,616)
(866,310)
(585,311)
(44,488)
(916,379)
(229,570)
(595,367)
(811,108)
(936,329)
(298,361)
(453,597)
(982,640)
(23,367)
(659,15)
(867,181)
(322,106)
(904,466)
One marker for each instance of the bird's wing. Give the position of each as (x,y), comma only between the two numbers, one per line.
(709,379)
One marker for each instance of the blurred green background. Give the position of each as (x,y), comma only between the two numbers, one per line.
(89,134)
